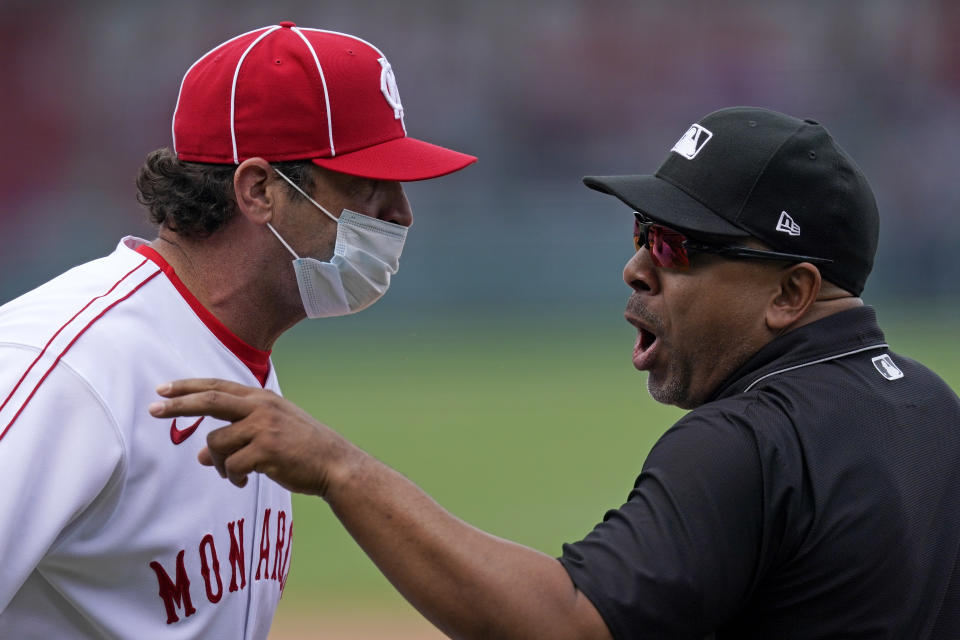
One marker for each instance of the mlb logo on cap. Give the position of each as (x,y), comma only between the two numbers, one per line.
(690,144)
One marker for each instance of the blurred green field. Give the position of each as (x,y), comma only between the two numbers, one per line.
(529,428)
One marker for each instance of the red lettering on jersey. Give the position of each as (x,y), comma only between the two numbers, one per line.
(237,557)
(205,569)
(281,525)
(286,557)
(264,546)
(174,594)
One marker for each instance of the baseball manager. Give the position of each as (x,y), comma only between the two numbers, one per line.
(281,199)
(813,490)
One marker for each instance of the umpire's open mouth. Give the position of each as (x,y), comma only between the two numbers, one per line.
(645,347)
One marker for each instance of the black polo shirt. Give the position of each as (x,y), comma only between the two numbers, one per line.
(817,495)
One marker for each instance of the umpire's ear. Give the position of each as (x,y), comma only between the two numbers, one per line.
(255,189)
(799,286)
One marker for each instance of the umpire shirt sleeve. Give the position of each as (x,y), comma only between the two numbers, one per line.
(679,558)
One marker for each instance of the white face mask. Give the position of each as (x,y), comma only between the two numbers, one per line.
(366,254)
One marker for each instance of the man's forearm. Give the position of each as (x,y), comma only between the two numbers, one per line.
(467,582)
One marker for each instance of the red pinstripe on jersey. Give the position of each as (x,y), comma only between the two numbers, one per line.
(70,344)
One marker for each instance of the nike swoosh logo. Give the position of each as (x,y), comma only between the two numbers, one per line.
(179,435)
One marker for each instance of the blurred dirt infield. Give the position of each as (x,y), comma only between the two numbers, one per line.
(353,625)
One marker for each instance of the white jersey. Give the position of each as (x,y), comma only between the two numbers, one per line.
(109,527)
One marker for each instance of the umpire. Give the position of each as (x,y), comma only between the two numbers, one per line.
(812,491)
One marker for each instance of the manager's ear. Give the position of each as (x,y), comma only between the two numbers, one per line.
(253,191)
(799,286)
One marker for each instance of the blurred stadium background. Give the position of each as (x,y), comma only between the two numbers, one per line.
(496,373)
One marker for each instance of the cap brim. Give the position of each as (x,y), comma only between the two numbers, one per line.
(403,159)
(661,201)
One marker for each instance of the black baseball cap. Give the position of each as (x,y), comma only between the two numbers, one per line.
(752,172)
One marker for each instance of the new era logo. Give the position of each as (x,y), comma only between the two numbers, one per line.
(691,143)
(787,225)
(885,365)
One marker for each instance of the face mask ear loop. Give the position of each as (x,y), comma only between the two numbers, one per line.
(289,248)
(304,194)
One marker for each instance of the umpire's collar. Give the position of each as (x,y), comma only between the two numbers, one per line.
(835,336)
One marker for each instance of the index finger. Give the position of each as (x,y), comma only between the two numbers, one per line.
(217,404)
(197,385)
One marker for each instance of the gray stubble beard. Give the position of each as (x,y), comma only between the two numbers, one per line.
(674,391)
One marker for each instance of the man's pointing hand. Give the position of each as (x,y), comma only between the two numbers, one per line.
(268,434)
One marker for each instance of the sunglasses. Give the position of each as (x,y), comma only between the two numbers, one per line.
(671,249)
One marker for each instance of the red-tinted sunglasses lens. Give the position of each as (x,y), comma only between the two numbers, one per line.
(665,245)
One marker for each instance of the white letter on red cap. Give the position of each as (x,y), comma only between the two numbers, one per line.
(388,85)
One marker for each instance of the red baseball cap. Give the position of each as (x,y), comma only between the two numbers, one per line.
(291,93)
